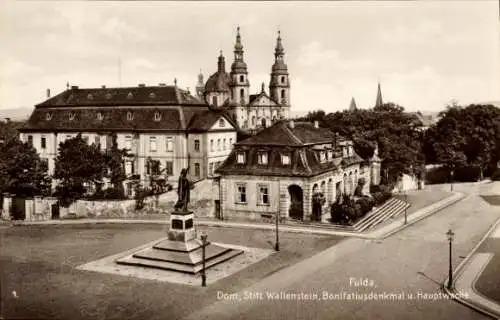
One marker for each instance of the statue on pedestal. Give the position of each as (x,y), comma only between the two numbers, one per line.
(183,190)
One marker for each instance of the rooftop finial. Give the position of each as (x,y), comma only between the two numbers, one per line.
(175,82)
(263,87)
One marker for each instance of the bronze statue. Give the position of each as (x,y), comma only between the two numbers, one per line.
(183,190)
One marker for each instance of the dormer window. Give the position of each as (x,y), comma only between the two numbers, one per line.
(130,116)
(222,123)
(240,157)
(330,155)
(322,156)
(130,95)
(48,116)
(100,116)
(152,95)
(72,116)
(285,159)
(90,96)
(262,158)
(157,116)
(108,96)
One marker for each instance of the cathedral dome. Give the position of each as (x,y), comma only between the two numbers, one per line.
(239,66)
(218,82)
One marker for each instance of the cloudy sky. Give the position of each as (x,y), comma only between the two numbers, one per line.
(424,53)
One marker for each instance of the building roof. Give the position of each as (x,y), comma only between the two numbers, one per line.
(127,96)
(203,121)
(282,134)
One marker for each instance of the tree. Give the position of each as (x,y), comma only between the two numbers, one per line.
(78,165)
(114,162)
(466,136)
(22,172)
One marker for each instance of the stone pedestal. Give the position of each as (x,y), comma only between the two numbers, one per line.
(182,226)
(181,251)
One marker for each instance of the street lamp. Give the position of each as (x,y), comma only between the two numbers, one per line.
(451,182)
(406,207)
(450,235)
(203,272)
(277,245)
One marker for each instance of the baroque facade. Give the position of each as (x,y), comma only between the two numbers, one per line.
(284,167)
(231,91)
(154,123)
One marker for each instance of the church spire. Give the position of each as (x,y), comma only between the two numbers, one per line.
(353,106)
(221,64)
(200,86)
(379,101)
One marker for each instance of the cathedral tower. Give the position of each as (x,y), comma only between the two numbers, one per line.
(200,86)
(279,87)
(239,75)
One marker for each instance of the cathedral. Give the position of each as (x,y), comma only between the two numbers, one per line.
(230,91)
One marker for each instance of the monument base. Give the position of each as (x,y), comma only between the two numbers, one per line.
(181,252)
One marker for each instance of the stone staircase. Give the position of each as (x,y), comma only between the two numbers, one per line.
(390,209)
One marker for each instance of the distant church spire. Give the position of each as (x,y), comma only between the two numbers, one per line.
(222,63)
(200,86)
(379,101)
(353,106)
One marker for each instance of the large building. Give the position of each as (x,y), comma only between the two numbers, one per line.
(160,123)
(284,167)
(231,91)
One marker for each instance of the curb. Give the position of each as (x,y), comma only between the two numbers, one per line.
(446,203)
(459,270)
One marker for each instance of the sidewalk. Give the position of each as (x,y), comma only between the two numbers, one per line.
(381,232)
(476,278)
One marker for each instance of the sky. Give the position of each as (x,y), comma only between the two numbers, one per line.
(425,54)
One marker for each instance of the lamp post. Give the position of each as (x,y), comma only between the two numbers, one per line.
(450,236)
(406,200)
(277,245)
(451,182)
(203,272)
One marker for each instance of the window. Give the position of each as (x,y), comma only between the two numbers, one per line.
(97,140)
(263,195)
(100,116)
(242,78)
(72,116)
(30,140)
(224,146)
(130,95)
(330,155)
(322,156)
(152,144)
(196,169)
(282,79)
(128,142)
(262,157)
(212,145)
(86,139)
(196,145)
(48,116)
(170,144)
(214,100)
(230,142)
(43,142)
(108,96)
(169,168)
(283,94)
(241,193)
(218,145)
(152,95)
(222,123)
(285,159)
(263,122)
(240,157)
(130,116)
(157,116)
(90,96)
(242,94)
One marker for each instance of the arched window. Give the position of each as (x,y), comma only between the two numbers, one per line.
(282,79)
(253,120)
(263,122)
(242,78)
(282,93)
(214,100)
(242,94)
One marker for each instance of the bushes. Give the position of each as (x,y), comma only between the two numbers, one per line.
(496,175)
(346,210)
(108,194)
(460,174)
(358,192)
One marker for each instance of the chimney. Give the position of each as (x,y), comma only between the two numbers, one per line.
(142,85)
(103,87)
(292,124)
(316,124)
(74,87)
(48,93)
(162,84)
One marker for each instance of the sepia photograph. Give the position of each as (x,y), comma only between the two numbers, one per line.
(249,159)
